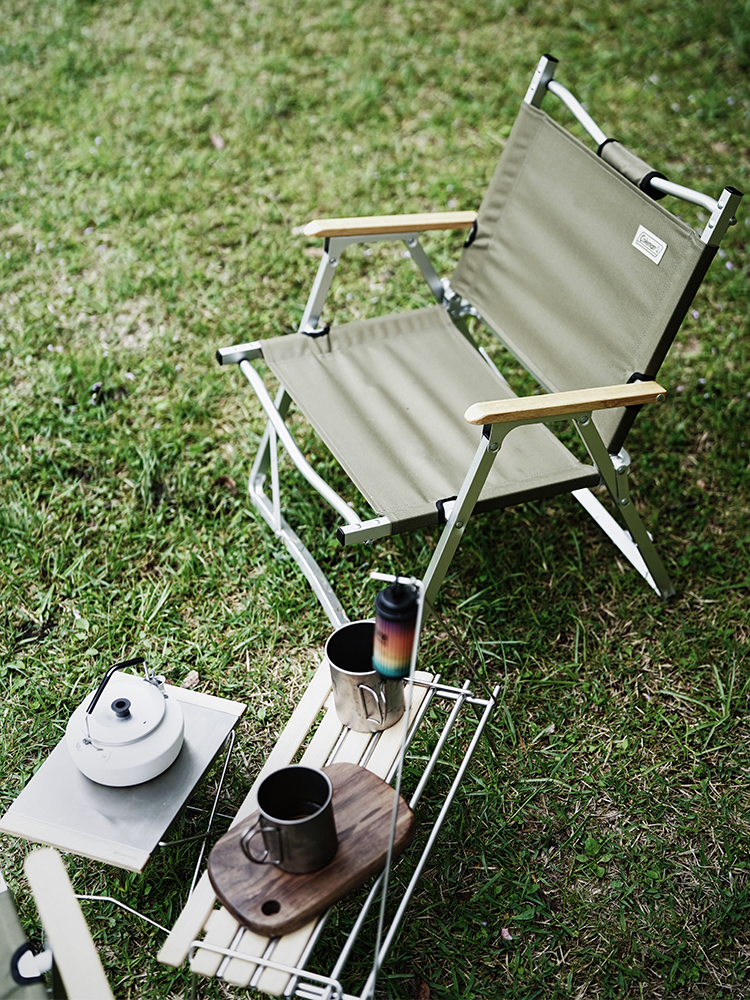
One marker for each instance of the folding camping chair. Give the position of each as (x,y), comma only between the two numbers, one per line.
(71,954)
(20,977)
(583,277)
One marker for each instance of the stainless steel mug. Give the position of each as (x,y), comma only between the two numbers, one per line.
(295,819)
(365,701)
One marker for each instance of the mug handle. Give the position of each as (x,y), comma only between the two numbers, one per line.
(380,703)
(248,835)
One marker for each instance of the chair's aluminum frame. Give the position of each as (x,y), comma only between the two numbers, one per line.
(633,541)
(722,210)
(276,431)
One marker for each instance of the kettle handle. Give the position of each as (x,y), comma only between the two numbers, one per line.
(105,680)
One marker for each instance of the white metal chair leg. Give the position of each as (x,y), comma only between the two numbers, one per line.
(614,471)
(299,552)
(617,534)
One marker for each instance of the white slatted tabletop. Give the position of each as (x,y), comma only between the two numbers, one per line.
(202,920)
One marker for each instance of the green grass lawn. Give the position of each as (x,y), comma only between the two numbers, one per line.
(156,159)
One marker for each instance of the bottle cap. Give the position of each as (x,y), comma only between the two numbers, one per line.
(396,603)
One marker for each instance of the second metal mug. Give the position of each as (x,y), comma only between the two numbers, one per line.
(295,806)
(365,701)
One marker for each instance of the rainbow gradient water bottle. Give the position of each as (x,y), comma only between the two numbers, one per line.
(395,623)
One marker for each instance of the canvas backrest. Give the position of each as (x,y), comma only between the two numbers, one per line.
(584,277)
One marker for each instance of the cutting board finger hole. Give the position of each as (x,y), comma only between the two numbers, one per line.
(271,901)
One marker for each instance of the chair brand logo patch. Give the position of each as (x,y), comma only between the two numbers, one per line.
(650,245)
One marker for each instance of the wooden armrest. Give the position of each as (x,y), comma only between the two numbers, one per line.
(64,924)
(376,224)
(556,404)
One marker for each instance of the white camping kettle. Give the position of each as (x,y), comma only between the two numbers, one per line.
(131,735)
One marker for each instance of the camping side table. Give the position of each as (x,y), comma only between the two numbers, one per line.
(211,938)
(121,826)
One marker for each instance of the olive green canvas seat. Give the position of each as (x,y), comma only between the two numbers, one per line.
(575,264)
(369,380)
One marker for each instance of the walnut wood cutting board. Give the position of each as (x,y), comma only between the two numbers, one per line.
(273,902)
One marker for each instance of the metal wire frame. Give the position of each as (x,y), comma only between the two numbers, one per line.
(230,740)
(229,745)
(314,986)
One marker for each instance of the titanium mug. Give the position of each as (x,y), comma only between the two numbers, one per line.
(295,820)
(365,700)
